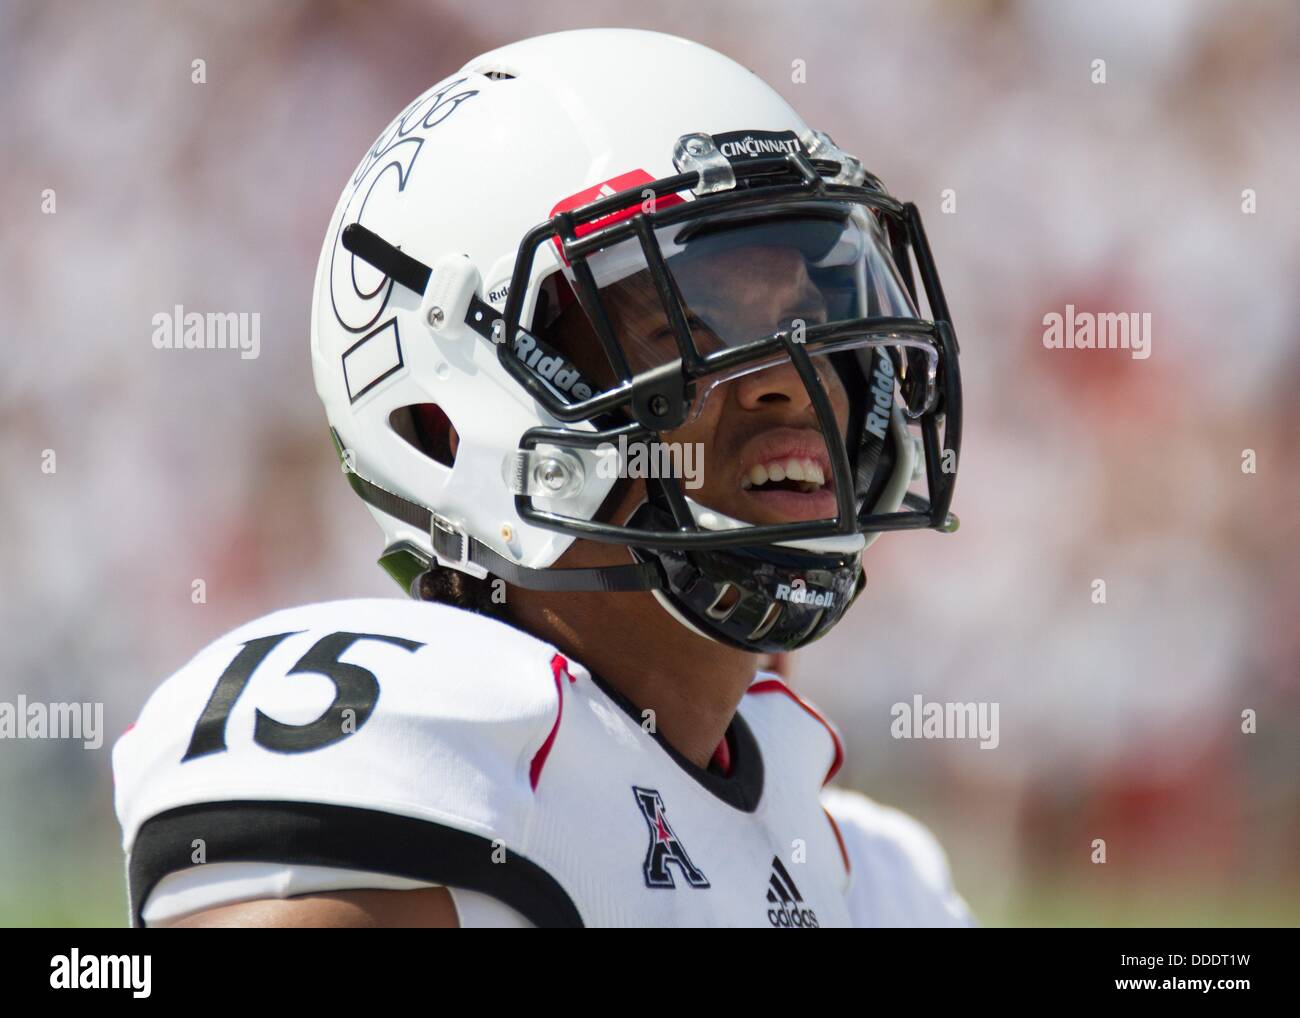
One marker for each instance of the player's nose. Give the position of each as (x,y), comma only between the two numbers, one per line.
(779,384)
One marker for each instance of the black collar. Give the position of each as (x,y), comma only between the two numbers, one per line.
(741,789)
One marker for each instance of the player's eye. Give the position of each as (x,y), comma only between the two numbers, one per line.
(663,338)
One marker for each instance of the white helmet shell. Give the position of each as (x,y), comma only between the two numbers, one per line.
(456,180)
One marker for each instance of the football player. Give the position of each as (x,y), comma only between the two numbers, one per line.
(629,363)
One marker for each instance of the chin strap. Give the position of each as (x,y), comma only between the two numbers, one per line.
(456,549)
(454,546)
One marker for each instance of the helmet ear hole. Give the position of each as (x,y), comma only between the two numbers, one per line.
(427,427)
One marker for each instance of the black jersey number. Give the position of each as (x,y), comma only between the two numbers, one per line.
(356,690)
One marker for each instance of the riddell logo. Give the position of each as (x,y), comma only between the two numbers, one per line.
(787,909)
(882,393)
(797,593)
(551,366)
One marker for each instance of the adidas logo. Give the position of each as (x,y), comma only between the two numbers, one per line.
(786,901)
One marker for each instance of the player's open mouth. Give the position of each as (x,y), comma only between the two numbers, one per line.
(787,472)
(803,475)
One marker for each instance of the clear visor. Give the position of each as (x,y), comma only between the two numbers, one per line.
(802,269)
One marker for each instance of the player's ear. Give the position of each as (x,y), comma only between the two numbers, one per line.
(453,439)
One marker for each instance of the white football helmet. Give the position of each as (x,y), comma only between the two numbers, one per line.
(555,176)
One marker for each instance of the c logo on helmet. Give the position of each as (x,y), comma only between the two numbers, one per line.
(358,291)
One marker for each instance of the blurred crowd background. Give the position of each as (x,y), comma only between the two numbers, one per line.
(1119,721)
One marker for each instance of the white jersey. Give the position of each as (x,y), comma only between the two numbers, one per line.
(401,744)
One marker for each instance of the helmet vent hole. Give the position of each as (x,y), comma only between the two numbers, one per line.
(766,623)
(428,428)
(498,75)
(812,626)
(725,603)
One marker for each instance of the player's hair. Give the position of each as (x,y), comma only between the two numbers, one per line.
(460,590)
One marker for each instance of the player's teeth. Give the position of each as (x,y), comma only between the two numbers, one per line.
(776,472)
(745,484)
(814,474)
(758,475)
(794,471)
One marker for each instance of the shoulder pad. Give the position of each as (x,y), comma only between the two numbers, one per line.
(417,711)
(898,873)
(794,729)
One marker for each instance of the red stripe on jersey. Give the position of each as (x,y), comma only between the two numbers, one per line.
(560,669)
(777,686)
